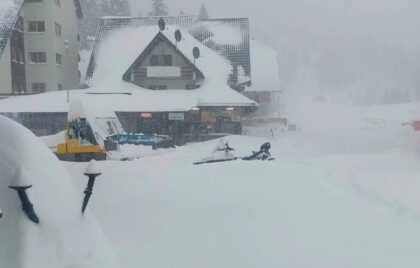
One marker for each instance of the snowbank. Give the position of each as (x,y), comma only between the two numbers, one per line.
(64,238)
(53,141)
(283,213)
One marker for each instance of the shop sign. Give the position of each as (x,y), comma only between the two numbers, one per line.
(176,116)
(146,115)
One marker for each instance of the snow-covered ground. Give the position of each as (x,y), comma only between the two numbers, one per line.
(344,191)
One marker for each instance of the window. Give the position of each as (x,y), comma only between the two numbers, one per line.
(58,2)
(36,26)
(38,57)
(167,59)
(59,86)
(38,87)
(58,59)
(161,60)
(58,29)
(154,61)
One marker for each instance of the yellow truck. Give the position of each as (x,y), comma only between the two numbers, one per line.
(88,134)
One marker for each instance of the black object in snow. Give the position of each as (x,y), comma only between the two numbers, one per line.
(262,154)
(27,206)
(89,190)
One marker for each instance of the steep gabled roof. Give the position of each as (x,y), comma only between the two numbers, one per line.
(120,50)
(110,25)
(228,37)
(9,13)
(158,38)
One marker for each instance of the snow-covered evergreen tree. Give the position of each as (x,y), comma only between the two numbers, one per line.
(203,14)
(93,10)
(115,7)
(159,8)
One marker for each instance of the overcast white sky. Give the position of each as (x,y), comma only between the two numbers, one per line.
(338,44)
(396,21)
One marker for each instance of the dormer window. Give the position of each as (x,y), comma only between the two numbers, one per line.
(161,60)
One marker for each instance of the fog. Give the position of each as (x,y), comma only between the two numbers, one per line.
(368,49)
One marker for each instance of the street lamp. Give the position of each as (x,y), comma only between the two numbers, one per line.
(91,172)
(21,183)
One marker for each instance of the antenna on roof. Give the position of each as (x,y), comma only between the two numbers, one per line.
(162,24)
(196,54)
(178,37)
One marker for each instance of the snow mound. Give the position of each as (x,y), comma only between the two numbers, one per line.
(283,213)
(63,238)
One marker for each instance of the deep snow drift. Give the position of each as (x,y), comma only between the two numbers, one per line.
(342,192)
(337,198)
(63,238)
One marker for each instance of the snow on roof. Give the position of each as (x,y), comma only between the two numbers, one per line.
(134,41)
(63,238)
(120,96)
(212,33)
(265,68)
(223,34)
(130,43)
(9,12)
(110,25)
(97,116)
(230,38)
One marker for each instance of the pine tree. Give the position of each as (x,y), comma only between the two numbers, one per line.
(203,15)
(159,8)
(93,10)
(115,7)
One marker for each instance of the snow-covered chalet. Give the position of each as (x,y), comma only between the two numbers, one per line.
(182,79)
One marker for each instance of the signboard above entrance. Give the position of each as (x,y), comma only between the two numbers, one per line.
(176,116)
